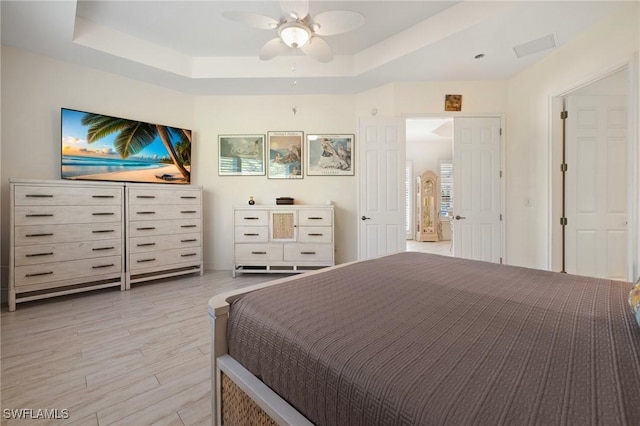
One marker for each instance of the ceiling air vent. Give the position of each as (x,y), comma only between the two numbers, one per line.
(535,46)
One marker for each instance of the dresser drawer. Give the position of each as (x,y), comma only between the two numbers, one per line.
(251,234)
(251,218)
(157,212)
(94,268)
(314,234)
(48,234)
(139,196)
(314,217)
(79,196)
(62,252)
(256,253)
(164,227)
(164,242)
(39,215)
(163,259)
(308,252)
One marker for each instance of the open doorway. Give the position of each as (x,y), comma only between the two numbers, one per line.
(429,149)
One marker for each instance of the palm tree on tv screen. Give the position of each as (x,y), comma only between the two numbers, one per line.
(134,136)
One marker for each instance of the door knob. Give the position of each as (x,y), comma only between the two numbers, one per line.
(365,218)
(458,217)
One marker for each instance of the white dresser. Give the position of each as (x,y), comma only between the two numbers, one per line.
(66,237)
(283,239)
(164,231)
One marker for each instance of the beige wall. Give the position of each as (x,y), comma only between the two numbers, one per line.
(34,88)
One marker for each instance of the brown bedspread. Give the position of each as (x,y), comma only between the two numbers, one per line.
(419,339)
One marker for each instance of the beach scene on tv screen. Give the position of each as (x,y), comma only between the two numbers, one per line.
(101,147)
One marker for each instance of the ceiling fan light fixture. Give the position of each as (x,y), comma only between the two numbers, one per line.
(294,34)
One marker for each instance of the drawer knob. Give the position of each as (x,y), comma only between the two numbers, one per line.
(39,215)
(251,234)
(307,252)
(103,214)
(39,196)
(188,254)
(190,240)
(145,212)
(314,218)
(103,231)
(146,228)
(102,196)
(102,248)
(102,266)
(145,244)
(39,254)
(153,259)
(188,226)
(315,234)
(251,218)
(188,211)
(145,196)
(44,234)
(258,252)
(188,197)
(37,274)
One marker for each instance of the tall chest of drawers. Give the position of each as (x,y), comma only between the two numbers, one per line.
(65,238)
(283,239)
(163,231)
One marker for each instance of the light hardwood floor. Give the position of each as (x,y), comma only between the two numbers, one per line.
(138,357)
(440,247)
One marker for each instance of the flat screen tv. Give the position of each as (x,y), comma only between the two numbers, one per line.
(101,147)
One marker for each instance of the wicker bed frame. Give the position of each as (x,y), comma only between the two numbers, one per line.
(238,397)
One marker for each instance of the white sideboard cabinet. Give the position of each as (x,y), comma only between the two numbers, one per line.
(283,238)
(163,231)
(65,237)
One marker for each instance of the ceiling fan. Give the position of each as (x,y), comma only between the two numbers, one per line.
(298,30)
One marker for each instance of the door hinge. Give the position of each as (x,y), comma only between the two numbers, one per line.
(501,261)
(563,221)
(564,167)
(500,131)
(500,173)
(500,217)
(564,114)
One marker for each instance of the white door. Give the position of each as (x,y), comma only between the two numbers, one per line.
(381,213)
(596,187)
(477,227)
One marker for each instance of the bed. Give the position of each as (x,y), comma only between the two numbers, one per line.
(420,339)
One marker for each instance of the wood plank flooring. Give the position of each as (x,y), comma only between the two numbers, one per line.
(139,357)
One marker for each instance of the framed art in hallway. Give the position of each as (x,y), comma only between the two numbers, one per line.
(330,155)
(241,155)
(285,155)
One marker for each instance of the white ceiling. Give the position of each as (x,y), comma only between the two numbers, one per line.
(189,46)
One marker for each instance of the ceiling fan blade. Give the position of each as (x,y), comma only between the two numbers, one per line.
(318,49)
(337,22)
(273,48)
(296,9)
(252,19)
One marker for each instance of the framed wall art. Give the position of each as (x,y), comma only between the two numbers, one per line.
(241,155)
(329,155)
(285,155)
